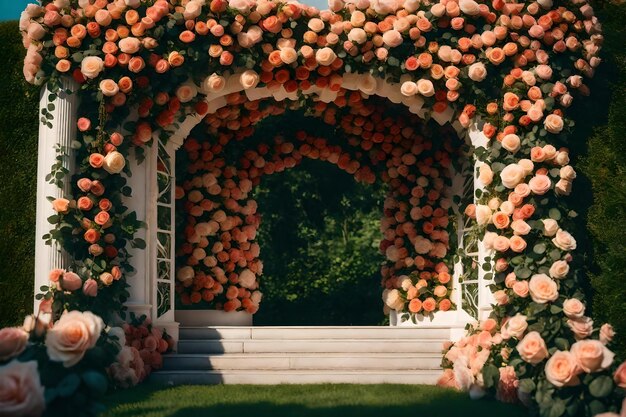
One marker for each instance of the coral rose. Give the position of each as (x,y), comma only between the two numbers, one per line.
(72,335)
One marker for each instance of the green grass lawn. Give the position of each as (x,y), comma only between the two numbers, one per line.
(301,401)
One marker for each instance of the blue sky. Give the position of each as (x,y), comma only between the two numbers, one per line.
(11,9)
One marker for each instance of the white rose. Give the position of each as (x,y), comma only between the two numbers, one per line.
(563,240)
(408,88)
(405,282)
(71,336)
(512,175)
(559,269)
(515,327)
(192,10)
(214,83)
(243,6)
(129,45)
(550,227)
(561,158)
(186,92)
(477,72)
(325,56)
(114,162)
(249,79)
(91,66)
(426,88)
(542,289)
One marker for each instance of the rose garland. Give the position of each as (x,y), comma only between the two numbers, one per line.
(219,251)
(515,67)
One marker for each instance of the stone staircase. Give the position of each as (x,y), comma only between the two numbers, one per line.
(304,355)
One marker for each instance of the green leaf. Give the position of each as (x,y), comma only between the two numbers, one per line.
(555,214)
(491,376)
(557,409)
(68,385)
(527,385)
(601,387)
(96,381)
(540,248)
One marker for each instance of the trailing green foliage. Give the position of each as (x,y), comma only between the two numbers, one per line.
(605,166)
(18,170)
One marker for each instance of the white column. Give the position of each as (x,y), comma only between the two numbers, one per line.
(63,109)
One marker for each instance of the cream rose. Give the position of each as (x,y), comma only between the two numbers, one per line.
(573,308)
(512,175)
(392,38)
(563,240)
(425,88)
(469,7)
(393,299)
(550,227)
(114,162)
(515,327)
(214,83)
(477,72)
(91,66)
(562,369)
(249,79)
(325,56)
(71,336)
(21,392)
(129,45)
(511,142)
(109,87)
(559,269)
(408,88)
(186,92)
(532,348)
(543,289)
(483,214)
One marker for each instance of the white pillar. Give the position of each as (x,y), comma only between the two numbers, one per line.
(63,109)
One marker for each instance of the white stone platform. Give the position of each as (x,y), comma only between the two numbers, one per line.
(303,355)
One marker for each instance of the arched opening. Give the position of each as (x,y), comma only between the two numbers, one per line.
(225,158)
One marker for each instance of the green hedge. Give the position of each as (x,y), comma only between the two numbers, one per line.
(18,171)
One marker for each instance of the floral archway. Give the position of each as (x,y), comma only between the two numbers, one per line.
(149,71)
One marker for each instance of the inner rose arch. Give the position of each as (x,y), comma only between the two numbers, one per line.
(467,289)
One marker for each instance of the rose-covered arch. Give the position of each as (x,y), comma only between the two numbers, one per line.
(503,72)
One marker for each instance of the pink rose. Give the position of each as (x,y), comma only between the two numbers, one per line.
(532,348)
(83,124)
(501,297)
(70,281)
(563,240)
(72,335)
(539,184)
(392,38)
(562,369)
(13,341)
(543,289)
(607,333)
(592,355)
(21,392)
(507,385)
(90,288)
(553,123)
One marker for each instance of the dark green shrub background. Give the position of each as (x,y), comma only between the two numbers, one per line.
(598,149)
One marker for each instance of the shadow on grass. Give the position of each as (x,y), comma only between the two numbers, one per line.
(303,401)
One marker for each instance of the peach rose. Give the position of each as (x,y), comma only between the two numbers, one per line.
(539,184)
(247,279)
(408,88)
(532,348)
(607,333)
(109,87)
(114,162)
(249,79)
(70,281)
(582,327)
(485,174)
(186,92)
(72,335)
(511,142)
(13,341)
(520,227)
(429,304)
(61,205)
(620,376)
(21,392)
(425,88)
(512,175)
(501,297)
(515,327)
(553,123)
(392,38)
(592,355)
(129,45)
(573,308)
(91,66)
(543,289)
(325,56)
(520,288)
(563,187)
(563,240)
(559,269)
(483,214)
(562,369)
(500,220)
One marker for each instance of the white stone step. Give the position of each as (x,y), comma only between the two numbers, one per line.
(269,377)
(302,361)
(311,346)
(312,332)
